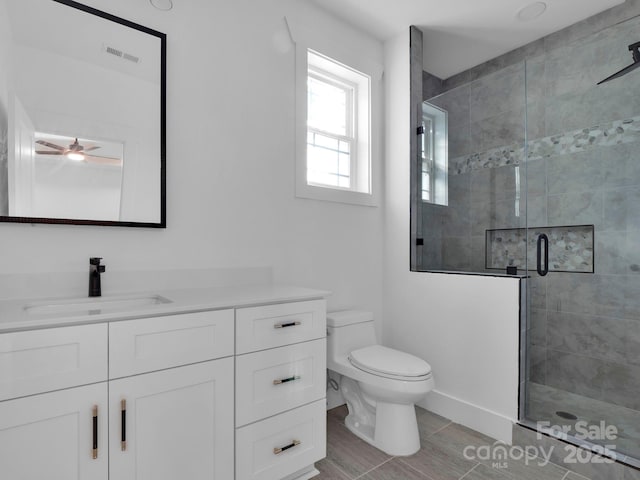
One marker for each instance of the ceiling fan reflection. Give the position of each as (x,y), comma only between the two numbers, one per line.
(78,152)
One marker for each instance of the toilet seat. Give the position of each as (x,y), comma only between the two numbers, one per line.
(390,363)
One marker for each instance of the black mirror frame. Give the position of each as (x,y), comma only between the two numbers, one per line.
(163,132)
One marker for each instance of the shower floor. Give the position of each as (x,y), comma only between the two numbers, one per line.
(545,402)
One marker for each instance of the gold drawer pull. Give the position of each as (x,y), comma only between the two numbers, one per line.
(123,424)
(279,450)
(94,419)
(286,380)
(287,324)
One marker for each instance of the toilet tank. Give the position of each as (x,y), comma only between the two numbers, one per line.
(348,330)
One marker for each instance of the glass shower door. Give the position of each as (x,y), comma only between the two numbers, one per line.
(583,195)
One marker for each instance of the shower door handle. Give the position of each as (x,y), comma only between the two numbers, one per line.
(542,238)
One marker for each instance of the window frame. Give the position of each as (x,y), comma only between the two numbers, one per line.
(354,62)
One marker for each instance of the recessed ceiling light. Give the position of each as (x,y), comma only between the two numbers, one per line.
(165,5)
(532,11)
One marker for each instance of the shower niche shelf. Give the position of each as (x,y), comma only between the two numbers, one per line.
(570,248)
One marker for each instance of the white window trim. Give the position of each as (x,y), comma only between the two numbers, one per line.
(306,39)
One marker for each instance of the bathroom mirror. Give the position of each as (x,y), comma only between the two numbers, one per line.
(82,116)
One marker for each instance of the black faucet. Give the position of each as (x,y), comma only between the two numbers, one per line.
(95,269)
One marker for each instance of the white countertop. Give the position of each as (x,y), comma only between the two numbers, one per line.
(15,317)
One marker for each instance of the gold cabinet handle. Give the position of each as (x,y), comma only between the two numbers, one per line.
(286,380)
(95,431)
(123,424)
(287,324)
(279,450)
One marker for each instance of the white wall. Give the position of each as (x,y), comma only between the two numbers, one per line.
(230,166)
(466,327)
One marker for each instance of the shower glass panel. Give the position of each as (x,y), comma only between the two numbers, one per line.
(583,191)
(472,207)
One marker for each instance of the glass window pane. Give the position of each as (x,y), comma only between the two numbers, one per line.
(327,106)
(327,142)
(344,164)
(326,163)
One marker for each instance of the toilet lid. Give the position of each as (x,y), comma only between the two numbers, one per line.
(388,361)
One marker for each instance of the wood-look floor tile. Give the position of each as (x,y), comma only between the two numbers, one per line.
(429,422)
(457,437)
(349,453)
(338,413)
(533,469)
(482,472)
(439,462)
(394,470)
(575,476)
(329,471)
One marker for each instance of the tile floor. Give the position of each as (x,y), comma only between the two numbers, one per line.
(545,401)
(440,458)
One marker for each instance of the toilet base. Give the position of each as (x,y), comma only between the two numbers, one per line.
(397,429)
(391,427)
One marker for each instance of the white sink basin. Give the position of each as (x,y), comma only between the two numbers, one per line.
(94,305)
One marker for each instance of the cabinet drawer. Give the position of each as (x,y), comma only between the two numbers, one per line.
(300,433)
(51,359)
(148,344)
(272,381)
(259,328)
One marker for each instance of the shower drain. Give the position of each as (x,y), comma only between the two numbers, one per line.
(566,415)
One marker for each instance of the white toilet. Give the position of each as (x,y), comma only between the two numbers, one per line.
(379,384)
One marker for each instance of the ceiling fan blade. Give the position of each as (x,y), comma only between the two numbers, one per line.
(104,160)
(50,145)
(89,149)
(49,152)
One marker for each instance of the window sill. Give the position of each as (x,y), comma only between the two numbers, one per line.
(329,194)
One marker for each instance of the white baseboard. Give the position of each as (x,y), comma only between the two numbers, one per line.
(477,418)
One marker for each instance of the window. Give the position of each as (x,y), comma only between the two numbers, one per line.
(427,159)
(434,153)
(335,161)
(330,130)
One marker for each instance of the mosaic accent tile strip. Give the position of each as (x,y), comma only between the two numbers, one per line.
(570,248)
(614,133)
(497,157)
(606,135)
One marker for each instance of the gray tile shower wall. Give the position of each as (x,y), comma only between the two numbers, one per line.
(583,168)
(4,159)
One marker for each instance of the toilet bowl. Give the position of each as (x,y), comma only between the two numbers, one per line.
(379,384)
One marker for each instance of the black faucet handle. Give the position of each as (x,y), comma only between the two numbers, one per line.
(95,260)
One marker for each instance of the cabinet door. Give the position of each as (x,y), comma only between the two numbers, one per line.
(178,424)
(51,435)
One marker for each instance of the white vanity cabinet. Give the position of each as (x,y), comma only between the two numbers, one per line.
(54,435)
(217,394)
(173,422)
(50,436)
(280,390)
(166,384)
(177,424)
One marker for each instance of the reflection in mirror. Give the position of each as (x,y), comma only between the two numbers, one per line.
(81,116)
(433,154)
(72,178)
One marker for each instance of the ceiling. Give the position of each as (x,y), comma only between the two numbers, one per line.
(459,34)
